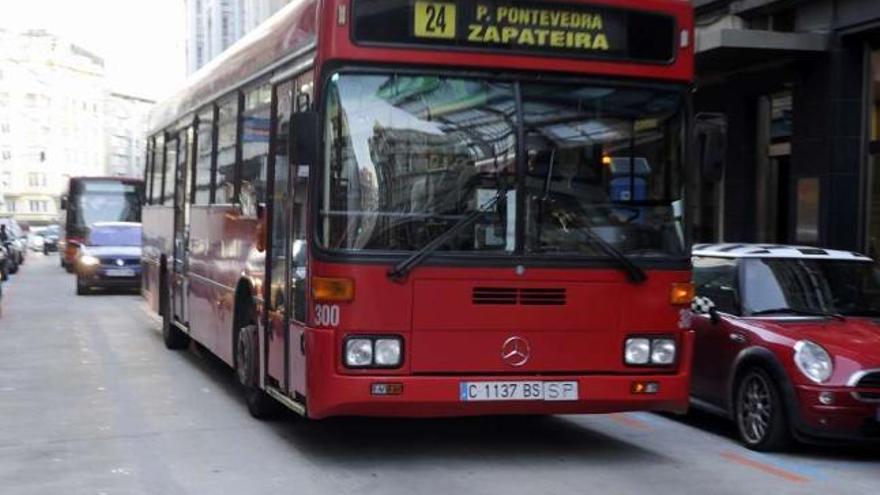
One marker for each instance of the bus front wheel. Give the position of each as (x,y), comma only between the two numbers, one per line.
(173,337)
(260,405)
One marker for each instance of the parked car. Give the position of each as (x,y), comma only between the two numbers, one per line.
(15,244)
(788,342)
(109,257)
(4,264)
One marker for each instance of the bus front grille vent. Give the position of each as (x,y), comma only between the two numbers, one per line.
(518,296)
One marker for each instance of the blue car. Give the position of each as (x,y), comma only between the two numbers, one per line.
(110,257)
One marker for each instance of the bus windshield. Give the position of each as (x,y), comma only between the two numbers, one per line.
(95,202)
(554,167)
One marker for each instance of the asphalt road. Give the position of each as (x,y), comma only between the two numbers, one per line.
(92,403)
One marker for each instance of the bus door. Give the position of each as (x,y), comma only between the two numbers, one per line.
(182,201)
(287,252)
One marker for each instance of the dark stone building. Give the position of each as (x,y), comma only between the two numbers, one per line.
(798,82)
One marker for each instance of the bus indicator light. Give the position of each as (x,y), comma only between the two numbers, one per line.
(333,289)
(386,388)
(681,294)
(645,388)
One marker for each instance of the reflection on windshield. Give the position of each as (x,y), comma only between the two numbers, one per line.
(115,236)
(826,286)
(408,157)
(95,207)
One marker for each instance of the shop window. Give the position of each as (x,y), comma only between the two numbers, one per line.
(808,196)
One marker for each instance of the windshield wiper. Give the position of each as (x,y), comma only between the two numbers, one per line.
(796,311)
(634,272)
(402,269)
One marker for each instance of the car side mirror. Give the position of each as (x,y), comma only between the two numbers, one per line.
(705,306)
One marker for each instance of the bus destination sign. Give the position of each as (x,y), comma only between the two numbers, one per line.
(571,30)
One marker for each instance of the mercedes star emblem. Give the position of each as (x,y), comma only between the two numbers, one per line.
(120,263)
(515,351)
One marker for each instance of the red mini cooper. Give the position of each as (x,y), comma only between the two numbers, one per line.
(788,342)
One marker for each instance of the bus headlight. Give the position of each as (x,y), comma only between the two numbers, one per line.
(813,361)
(638,351)
(650,351)
(373,351)
(387,352)
(358,353)
(663,351)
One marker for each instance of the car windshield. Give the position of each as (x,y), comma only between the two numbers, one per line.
(810,286)
(407,157)
(115,236)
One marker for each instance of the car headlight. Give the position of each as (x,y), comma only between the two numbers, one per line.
(813,361)
(358,353)
(663,351)
(89,260)
(638,351)
(387,352)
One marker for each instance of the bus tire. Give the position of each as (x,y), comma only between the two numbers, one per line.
(173,337)
(260,405)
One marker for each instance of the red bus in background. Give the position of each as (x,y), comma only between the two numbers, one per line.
(434,208)
(96,199)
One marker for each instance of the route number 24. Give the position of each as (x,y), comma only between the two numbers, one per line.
(435,19)
(326,315)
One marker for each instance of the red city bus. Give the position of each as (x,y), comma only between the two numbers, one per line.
(97,199)
(434,208)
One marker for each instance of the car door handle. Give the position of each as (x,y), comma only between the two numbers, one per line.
(738,338)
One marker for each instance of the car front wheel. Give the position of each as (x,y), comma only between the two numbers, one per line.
(760,413)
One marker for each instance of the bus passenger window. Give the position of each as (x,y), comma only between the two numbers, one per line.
(255,139)
(170,168)
(227,125)
(158,169)
(204,157)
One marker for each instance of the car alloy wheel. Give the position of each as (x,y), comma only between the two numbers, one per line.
(760,415)
(755,409)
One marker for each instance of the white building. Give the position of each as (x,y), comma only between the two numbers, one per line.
(126,122)
(214,25)
(51,121)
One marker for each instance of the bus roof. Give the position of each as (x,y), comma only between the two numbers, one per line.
(305,31)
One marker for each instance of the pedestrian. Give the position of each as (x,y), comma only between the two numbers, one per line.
(4,237)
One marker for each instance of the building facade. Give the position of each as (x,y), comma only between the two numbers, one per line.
(214,25)
(126,123)
(798,85)
(51,122)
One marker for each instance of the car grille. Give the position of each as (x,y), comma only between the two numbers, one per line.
(869,387)
(523,296)
(127,262)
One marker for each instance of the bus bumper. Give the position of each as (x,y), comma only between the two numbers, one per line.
(334,394)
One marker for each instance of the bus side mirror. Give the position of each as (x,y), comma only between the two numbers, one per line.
(710,143)
(63,202)
(305,139)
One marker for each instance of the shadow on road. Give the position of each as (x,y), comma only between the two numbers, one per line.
(544,440)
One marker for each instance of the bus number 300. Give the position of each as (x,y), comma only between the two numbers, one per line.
(326,315)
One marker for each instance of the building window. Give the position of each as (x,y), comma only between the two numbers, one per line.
(39,206)
(37,179)
(7,155)
(6,180)
(10,206)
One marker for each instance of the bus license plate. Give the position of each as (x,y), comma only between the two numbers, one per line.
(518,391)
(121,272)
